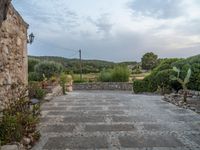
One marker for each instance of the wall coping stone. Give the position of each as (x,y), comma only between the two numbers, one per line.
(121,86)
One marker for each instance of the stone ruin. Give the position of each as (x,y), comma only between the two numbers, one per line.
(13,52)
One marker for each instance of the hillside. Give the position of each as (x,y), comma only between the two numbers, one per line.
(89,66)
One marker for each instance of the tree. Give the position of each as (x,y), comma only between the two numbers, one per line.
(48,68)
(149,61)
(32,63)
(182,82)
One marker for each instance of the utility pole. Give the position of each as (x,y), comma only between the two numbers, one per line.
(80,59)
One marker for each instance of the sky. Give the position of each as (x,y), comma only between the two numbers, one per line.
(115,30)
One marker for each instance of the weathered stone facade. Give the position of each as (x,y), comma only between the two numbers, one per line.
(13,55)
(121,86)
(4,5)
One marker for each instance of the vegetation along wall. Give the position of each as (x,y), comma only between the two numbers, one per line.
(13,54)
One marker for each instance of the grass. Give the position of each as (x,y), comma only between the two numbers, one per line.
(93,77)
(90,77)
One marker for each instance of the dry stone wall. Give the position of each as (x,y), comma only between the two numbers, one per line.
(13,55)
(121,86)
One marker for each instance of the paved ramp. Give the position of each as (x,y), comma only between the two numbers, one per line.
(117,120)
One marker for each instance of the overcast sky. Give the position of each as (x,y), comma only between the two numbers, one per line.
(117,30)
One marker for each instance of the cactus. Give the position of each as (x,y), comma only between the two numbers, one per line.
(182,82)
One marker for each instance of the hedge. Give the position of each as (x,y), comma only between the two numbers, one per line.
(160,76)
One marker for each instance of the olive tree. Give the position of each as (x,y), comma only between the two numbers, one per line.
(149,61)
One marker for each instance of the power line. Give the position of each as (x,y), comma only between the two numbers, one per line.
(73,55)
(59,47)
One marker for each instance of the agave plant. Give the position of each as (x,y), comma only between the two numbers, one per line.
(182,82)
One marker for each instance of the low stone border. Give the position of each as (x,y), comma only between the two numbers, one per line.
(177,99)
(122,86)
(191,93)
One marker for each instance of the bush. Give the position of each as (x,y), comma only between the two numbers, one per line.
(10,129)
(194,64)
(118,74)
(33,76)
(48,68)
(32,63)
(139,86)
(63,81)
(79,81)
(159,79)
(194,83)
(163,82)
(36,91)
(40,93)
(105,76)
(19,120)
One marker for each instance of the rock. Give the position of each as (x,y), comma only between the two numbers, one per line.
(9,147)
(19,42)
(26,141)
(193,108)
(180,103)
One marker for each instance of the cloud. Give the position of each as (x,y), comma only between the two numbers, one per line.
(161,9)
(103,23)
(121,32)
(48,14)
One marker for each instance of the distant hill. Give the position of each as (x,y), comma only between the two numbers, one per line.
(89,66)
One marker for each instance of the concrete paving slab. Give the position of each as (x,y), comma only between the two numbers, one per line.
(58,128)
(110,128)
(149,141)
(83,119)
(63,143)
(116,120)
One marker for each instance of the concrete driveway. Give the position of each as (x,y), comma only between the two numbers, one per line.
(117,120)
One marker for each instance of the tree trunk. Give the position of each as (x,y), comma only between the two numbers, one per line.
(185,96)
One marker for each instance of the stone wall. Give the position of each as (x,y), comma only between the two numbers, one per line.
(103,86)
(13,55)
(4,5)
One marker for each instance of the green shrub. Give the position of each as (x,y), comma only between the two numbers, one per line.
(32,63)
(140,86)
(48,68)
(19,119)
(40,93)
(195,78)
(183,81)
(79,81)
(159,78)
(105,76)
(63,81)
(163,82)
(137,71)
(166,64)
(10,129)
(194,64)
(120,74)
(33,76)
(36,91)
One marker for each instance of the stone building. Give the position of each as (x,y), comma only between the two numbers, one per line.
(13,52)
